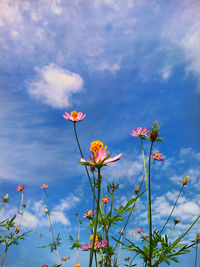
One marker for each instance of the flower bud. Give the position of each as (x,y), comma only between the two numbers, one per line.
(154,131)
(145,236)
(78,265)
(185,180)
(46,211)
(122,231)
(198,238)
(16,230)
(176,221)
(5,199)
(136,190)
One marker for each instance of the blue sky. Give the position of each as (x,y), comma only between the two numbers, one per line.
(124,64)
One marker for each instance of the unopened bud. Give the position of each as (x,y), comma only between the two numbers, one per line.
(185,180)
(122,232)
(176,221)
(78,265)
(46,211)
(137,190)
(198,238)
(145,236)
(16,230)
(24,205)
(5,199)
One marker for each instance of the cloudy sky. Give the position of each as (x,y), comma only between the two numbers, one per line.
(123,63)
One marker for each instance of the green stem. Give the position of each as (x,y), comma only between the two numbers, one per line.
(120,248)
(2,206)
(97,216)
(76,135)
(148,206)
(78,238)
(172,209)
(171,230)
(196,254)
(150,216)
(4,255)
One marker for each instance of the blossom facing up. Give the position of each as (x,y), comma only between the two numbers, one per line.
(105,200)
(139,132)
(44,186)
(5,198)
(98,245)
(100,157)
(20,187)
(157,156)
(185,180)
(139,230)
(95,145)
(75,116)
(89,214)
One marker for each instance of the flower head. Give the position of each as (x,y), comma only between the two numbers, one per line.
(139,230)
(89,214)
(97,145)
(139,132)
(157,156)
(92,238)
(98,245)
(75,116)
(65,258)
(78,265)
(100,157)
(176,221)
(46,211)
(20,187)
(185,180)
(5,199)
(144,237)
(105,200)
(44,186)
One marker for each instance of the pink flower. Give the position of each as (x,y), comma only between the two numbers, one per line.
(157,156)
(139,230)
(20,187)
(75,116)
(101,159)
(98,245)
(44,186)
(139,132)
(105,200)
(89,214)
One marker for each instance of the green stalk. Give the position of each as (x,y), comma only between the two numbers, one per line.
(4,255)
(97,216)
(51,229)
(2,206)
(171,230)
(76,135)
(150,217)
(148,205)
(78,239)
(196,254)
(172,209)
(120,248)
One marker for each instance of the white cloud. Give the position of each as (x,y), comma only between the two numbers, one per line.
(109,67)
(166,73)
(54,86)
(9,12)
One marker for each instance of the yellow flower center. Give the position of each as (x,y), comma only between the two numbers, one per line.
(158,154)
(97,145)
(92,237)
(74,114)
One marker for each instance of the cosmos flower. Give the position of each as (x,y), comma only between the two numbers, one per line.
(75,116)
(157,156)
(100,158)
(44,186)
(139,230)
(139,132)
(20,187)
(98,245)
(105,200)
(89,214)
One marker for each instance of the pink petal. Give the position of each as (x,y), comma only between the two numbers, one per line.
(101,154)
(67,116)
(113,159)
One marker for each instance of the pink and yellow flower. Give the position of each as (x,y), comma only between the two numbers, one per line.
(44,186)
(75,116)
(20,187)
(139,132)
(139,230)
(89,214)
(157,156)
(100,158)
(98,245)
(105,200)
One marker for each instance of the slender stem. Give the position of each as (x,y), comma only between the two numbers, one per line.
(172,209)
(4,255)
(78,238)
(196,255)
(120,248)
(148,207)
(171,230)
(97,215)
(51,229)
(2,206)
(76,135)
(150,217)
